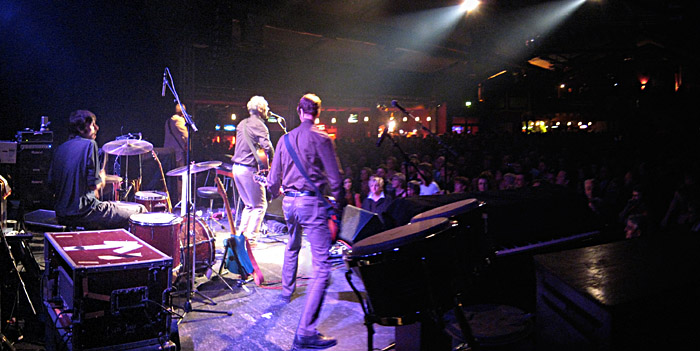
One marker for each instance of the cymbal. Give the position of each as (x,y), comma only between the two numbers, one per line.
(127,147)
(228,157)
(194,168)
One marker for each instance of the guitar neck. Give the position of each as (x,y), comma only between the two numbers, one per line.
(222,192)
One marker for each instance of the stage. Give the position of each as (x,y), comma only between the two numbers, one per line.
(259,320)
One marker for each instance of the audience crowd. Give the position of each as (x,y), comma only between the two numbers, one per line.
(635,186)
(638,183)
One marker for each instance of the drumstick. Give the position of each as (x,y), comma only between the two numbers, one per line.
(104,163)
(98,192)
(165,185)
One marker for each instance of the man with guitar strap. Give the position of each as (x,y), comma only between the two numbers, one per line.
(306,213)
(250,158)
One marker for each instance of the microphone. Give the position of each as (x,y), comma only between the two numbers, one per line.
(396,104)
(275,115)
(381,138)
(165,81)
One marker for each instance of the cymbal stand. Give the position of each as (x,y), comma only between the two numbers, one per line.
(191,127)
(11,258)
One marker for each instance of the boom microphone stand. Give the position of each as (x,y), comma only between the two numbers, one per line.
(437,137)
(191,127)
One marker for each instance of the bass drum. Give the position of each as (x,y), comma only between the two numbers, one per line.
(204,243)
(158,229)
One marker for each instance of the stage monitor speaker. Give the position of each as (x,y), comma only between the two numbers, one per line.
(358,224)
(274,209)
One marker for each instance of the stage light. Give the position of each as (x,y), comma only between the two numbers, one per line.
(392,126)
(317,120)
(233,116)
(468,104)
(469,5)
(333,120)
(428,119)
(405,119)
(366,119)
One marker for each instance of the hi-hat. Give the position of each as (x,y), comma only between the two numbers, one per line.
(127,147)
(195,168)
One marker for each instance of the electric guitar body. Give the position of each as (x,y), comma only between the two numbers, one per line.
(239,256)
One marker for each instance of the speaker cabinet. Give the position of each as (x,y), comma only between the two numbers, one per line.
(358,224)
(33,163)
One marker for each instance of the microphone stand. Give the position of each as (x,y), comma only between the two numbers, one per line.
(281,121)
(442,144)
(191,127)
(406,159)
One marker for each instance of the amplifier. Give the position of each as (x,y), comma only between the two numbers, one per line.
(106,290)
(8,152)
(33,163)
(31,136)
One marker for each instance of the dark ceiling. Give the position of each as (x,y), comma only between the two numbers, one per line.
(109,56)
(385,48)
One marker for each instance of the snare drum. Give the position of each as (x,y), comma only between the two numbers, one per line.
(155,201)
(204,243)
(158,229)
(407,270)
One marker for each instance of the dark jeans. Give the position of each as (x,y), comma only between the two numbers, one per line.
(106,215)
(307,215)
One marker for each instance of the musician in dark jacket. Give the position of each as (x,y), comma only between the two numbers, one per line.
(76,174)
(252,135)
(304,212)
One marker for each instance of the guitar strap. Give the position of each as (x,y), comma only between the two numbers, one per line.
(301,169)
(249,140)
(170,130)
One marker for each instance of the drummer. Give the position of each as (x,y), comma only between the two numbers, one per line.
(76,175)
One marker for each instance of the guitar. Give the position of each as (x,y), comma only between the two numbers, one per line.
(263,170)
(333,215)
(262,160)
(165,185)
(239,255)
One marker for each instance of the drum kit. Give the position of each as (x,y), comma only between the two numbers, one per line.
(164,230)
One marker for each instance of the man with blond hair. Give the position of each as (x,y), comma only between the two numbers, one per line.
(251,135)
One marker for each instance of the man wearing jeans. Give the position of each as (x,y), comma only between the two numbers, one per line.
(251,134)
(305,213)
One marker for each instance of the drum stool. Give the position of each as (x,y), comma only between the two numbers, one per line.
(211,193)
